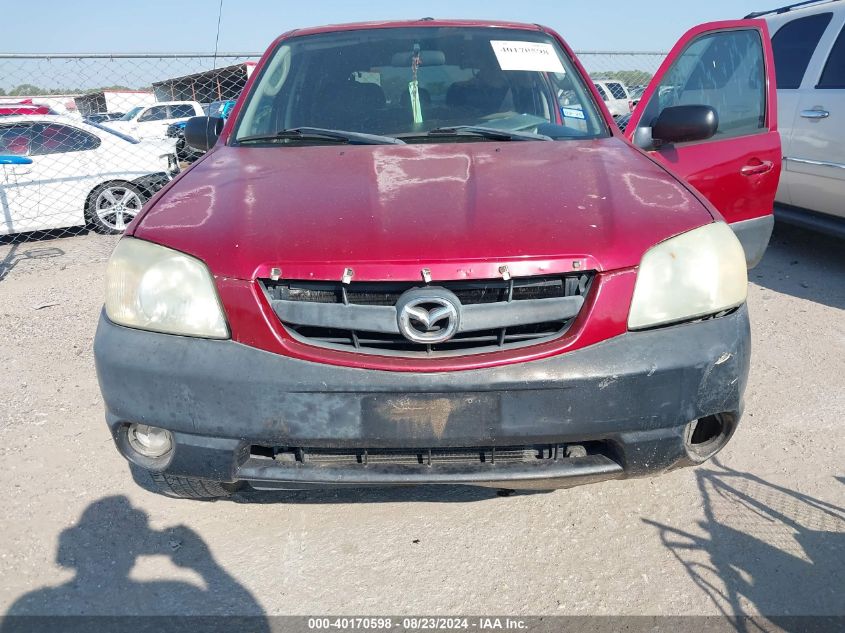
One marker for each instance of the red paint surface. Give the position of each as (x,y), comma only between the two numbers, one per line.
(459,209)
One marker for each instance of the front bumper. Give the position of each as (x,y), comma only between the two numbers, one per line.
(634,395)
(754,235)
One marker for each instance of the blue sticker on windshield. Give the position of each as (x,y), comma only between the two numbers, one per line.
(572,113)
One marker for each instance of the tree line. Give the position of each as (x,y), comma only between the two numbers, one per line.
(30,90)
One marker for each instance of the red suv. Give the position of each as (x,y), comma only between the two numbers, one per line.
(422,253)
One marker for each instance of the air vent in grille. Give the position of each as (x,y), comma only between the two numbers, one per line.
(425,456)
(324,326)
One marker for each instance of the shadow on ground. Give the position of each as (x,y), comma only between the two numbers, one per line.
(804,264)
(16,254)
(763,548)
(104,547)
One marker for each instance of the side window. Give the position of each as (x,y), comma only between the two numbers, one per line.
(724,70)
(60,139)
(833,75)
(181,111)
(617,90)
(794,45)
(16,139)
(602,93)
(156,113)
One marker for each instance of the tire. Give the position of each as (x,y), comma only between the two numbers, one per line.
(112,205)
(191,487)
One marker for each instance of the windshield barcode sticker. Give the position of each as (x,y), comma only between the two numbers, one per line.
(572,113)
(532,56)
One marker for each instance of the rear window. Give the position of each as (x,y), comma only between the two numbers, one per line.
(617,90)
(794,45)
(181,111)
(833,75)
(602,92)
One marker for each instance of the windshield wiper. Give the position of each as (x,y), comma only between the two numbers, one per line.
(322,134)
(480,131)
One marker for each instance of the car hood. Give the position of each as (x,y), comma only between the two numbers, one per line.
(318,208)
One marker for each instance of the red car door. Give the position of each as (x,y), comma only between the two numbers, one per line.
(728,66)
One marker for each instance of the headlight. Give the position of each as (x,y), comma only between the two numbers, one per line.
(688,276)
(156,288)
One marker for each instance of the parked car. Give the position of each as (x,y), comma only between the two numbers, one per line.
(73,174)
(636,93)
(402,261)
(144,122)
(616,97)
(18,109)
(809,50)
(177,130)
(101,117)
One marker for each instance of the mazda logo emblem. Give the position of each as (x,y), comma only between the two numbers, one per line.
(428,315)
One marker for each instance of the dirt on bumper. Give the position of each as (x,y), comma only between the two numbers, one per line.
(225,403)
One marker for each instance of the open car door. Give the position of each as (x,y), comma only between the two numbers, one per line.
(728,68)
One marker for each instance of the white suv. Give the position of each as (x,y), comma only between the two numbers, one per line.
(809,49)
(616,97)
(151,121)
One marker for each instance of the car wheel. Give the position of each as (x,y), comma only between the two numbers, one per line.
(113,205)
(191,487)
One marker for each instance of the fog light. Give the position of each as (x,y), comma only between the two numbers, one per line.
(149,441)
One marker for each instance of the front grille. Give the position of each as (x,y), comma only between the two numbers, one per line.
(286,455)
(365,337)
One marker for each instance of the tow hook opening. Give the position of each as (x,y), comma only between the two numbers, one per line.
(706,436)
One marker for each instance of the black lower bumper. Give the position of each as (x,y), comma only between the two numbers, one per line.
(229,406)
(754,235)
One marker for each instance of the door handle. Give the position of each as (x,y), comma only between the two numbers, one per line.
(815,114)
(762,167)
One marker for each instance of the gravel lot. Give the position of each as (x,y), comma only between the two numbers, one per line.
(759,530)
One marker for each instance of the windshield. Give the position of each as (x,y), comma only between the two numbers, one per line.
(131,114)
(407,82)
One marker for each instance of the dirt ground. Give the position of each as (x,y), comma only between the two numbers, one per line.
(761,529)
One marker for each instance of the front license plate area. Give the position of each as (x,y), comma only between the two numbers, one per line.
(431,419)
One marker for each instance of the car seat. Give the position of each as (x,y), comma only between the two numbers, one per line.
(15,145)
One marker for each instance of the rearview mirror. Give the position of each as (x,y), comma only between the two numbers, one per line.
(202,132)
(685,123)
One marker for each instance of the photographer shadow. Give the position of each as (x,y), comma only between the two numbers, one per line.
(103,548)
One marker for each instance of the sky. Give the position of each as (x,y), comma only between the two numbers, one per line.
(94,26)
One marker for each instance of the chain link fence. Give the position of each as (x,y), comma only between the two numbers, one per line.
(85,140)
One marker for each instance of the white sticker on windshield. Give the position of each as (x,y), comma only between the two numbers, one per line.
(527,56)
(572,113)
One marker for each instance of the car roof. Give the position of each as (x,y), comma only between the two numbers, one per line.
(49,118)
(159,103)
(420,22)
(808,7)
